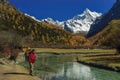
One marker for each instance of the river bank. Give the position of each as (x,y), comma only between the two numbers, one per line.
(15,72)
(101,60)
(9,70)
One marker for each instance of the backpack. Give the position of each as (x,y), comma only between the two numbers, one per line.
(32,57)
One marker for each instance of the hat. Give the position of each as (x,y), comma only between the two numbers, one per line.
(28,48)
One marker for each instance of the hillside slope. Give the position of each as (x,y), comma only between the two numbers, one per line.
(113,13)
(109,37)
(34,33)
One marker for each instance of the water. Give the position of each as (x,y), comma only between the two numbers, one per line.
(59,67)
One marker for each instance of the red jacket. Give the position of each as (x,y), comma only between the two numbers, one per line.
(32,57)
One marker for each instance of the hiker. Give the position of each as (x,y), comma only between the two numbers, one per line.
(27,54)
(32,59)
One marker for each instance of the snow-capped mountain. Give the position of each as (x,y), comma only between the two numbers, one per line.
(78,24)
(34,18)
(51,21)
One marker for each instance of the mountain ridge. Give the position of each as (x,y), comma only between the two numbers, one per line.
(113,13)
(109,36)
(79,23)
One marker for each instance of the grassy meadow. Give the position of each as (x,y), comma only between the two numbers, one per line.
(40,50)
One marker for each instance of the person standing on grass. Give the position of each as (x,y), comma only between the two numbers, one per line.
(32,58)
(28,49)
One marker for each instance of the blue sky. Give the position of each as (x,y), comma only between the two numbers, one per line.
(60,9)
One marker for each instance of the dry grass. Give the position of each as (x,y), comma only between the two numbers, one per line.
(106,59)
(73,50)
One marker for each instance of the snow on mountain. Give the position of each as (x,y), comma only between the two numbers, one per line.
(34,18)
(78,24)
(51,21)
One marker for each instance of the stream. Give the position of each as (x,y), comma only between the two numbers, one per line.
(64,67)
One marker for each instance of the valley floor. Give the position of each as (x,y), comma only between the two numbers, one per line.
(97,57)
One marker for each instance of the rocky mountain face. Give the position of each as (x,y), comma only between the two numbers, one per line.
(79,24)
(113,13)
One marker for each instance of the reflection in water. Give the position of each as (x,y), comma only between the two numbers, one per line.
(71,71)
(78,71)
(57,67)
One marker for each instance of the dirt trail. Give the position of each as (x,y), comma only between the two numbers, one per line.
(15,72)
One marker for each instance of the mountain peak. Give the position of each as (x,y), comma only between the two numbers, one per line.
(87,14)
(79,23)
(87,11)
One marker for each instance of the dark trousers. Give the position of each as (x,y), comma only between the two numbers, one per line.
(31,65)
